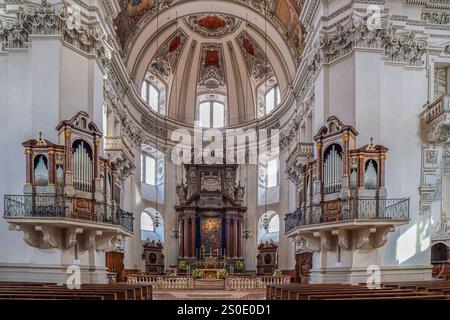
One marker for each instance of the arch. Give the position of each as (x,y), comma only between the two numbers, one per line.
(269,227)
(439,253)
(152,225)
(41,170)
(371,174)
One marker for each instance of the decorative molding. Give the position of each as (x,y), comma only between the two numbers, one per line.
(46,19)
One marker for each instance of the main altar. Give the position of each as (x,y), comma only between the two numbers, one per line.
(210,216)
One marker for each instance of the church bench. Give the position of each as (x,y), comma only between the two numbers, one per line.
(305,295)
(421,297)
(46,296)
(122,293)
(135,291)
(351,296)
(280,292)
(290,294)
(60,291)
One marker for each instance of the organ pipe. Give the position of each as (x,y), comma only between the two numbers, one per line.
(332,171)
(83,169)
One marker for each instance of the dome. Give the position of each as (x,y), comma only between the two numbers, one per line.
(192,58)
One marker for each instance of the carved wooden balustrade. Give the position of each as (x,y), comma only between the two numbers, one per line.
(163,282)
(255,283)
(241,283)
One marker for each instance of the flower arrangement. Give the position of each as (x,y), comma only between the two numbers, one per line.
(239,266)
(182,265)
(197,274)
(223,274)
(277,273)
(172,275)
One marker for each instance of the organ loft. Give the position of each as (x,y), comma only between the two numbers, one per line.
(340,109)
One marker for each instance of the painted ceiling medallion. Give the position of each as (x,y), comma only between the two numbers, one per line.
(212,71)
(212,25)
(255,59)
(167,56)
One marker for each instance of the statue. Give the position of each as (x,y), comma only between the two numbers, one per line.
(239,192)
(182,192)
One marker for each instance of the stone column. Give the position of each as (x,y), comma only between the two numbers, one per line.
(193,235)
(186,236)
(346,174)
(235,238)
(29,166)
(240,238)
(51,168)
(382,171)
(361,171)
(181,238)
(228,236)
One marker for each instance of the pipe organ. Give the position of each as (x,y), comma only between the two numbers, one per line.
(333,166)
(341,171)
(82,167)
(72,170)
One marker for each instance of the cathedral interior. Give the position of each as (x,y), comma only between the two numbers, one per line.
(233,147)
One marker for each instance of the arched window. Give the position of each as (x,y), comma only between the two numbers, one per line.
(439,253)
(147,222)
(150,94)
(40,171)
(333,166)
(269,173)
(274,224)
(272,99)
(211,114)
(269,97)
(152,225)
(148,169)
(371,175)
(272,173)
(269,227)
(153,93)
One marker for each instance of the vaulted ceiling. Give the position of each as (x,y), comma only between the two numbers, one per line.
(199,47)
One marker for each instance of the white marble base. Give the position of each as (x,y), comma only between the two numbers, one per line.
(49,273)
(360,275)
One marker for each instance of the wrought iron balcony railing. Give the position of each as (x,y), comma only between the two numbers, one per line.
(349,210)
(48,206)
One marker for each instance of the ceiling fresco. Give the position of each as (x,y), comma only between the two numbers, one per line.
(255,59)
(284,14)
(212,70)
(167,56)
(212,25)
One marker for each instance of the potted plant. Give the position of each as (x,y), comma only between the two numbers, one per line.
(239,266)
(197,274)
(172,276)
(182,266)
(277,273)
(223,274)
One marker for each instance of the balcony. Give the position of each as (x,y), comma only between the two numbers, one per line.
(121,155)
(297,158)
(50,221)
(355,222)
(437,120)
